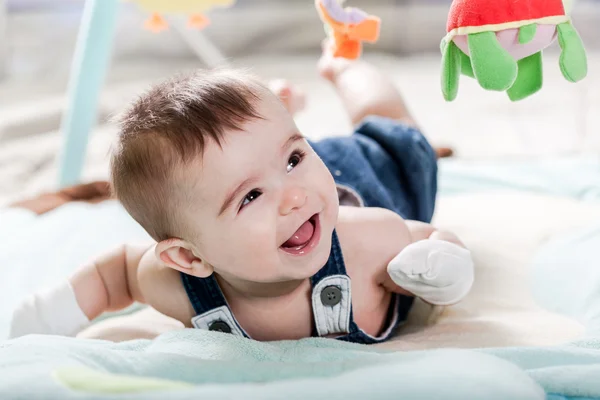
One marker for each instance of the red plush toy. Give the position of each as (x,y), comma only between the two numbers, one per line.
(500,43)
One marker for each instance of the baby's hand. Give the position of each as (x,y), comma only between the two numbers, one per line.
(437,271)
(292,97)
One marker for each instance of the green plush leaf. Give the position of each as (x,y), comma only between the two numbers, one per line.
(493,67)
(465,65)
(450,71)
(527,33)
(529,79)
(573,60)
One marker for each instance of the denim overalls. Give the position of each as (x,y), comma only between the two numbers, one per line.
(383,164)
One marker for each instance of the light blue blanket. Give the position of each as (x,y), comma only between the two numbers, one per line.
(205,365)
(574,177)
(223,366)
(216,365)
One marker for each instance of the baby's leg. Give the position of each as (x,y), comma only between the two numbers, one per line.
(365,90)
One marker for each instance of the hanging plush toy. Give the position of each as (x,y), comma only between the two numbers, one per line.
(500,43)
(196,8)
(347,28)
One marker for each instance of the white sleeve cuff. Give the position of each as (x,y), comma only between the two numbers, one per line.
(54,311)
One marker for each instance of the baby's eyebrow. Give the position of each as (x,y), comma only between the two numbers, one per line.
(291,140)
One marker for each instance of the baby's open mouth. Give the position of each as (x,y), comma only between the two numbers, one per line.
(306,237)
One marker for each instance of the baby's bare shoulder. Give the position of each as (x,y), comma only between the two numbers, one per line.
(371,237)
(371,224)
(162,288)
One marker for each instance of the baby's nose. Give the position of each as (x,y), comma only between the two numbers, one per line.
(293,198)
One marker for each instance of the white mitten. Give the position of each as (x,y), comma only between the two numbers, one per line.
(437,271)
(53,312)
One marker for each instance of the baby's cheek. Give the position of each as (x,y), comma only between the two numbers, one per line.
(251,237)
(261,236)
(254,254)
(322,179)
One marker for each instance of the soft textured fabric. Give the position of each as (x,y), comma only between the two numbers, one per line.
(573,60)
(437,271)
(575,177)
(222,365)
(530,78)
(568,274)
(518,44)
(492,12)
(527,33)
(53,311)
(452,61)
(497,34)
(493,66)
(14,221)
(332,319)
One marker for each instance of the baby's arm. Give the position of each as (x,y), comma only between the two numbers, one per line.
(110,283)
(414,257)
(420,231)
(435,266)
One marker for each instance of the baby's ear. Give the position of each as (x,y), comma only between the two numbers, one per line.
(178,254)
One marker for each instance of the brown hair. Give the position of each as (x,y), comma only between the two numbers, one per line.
(168,127)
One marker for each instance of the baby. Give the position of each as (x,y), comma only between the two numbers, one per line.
(259,232)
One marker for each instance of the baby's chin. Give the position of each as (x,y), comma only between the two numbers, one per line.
(309,270)
(286,268)
(307,266)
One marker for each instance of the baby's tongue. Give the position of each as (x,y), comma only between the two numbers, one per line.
(301,236)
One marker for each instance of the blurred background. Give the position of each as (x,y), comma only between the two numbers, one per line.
(276,38)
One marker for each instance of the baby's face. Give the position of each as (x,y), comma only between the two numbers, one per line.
(264,205)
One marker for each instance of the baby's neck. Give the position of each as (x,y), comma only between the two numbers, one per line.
(257,291)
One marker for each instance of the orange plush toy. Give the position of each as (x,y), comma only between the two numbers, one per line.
(347,28)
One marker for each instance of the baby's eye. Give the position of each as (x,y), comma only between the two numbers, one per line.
(294,160)
(250,197)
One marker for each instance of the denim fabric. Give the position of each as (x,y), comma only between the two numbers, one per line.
(389,164)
